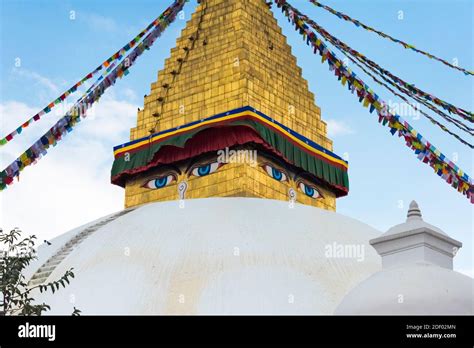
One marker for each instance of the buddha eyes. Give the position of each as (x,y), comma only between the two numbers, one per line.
(275,173)
(309,191)
(166,180)
(281,176)
(160,182)
(209,168)
(205,169)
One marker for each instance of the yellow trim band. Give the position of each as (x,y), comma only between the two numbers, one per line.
(230,117)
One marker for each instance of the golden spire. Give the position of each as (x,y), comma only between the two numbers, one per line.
(231,54)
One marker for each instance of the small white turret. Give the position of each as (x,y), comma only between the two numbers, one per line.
(416,276)
(416,241)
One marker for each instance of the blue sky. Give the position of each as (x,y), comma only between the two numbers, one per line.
(55,51)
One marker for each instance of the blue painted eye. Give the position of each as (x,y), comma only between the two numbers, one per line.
(160,182)
(309,190)
(205,169)
(275,173)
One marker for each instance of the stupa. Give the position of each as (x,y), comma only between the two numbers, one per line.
(417,276)
(230,189)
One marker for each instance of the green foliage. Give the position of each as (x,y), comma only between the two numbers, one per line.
(15,255)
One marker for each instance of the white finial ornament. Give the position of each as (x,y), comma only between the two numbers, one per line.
(415,241)
(414,212)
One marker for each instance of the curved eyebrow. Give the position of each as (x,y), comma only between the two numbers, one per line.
(267,161)
(301,177)
(196,162)
(266,158)
(165,174)
(165,169)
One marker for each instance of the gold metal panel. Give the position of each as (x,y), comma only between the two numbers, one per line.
(238,57)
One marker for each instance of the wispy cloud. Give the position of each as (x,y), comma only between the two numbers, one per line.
(38,78)
(71,185)
(337,128)
(13,113)
(129,94)
(110,120)
(99,22)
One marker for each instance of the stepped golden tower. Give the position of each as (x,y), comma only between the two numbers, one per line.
(230,115)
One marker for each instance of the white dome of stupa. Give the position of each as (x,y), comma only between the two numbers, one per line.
(212,256)
(417,275)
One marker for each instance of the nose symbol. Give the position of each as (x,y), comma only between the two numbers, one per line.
(182,187)
(292,195)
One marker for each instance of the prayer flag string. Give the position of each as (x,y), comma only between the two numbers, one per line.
(359,24)
(431,119)
(107,64)
(407,88)
(425,151)
(345,49)
(73,116)
(384,74)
